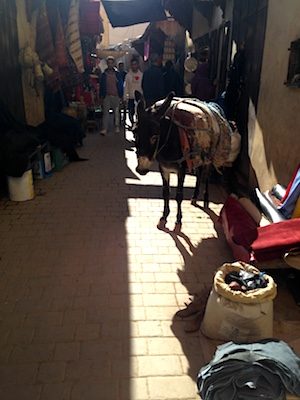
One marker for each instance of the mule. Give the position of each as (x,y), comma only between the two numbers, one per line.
(157,139)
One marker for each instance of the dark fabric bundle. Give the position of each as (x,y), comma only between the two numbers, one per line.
(17,142)
(264,370)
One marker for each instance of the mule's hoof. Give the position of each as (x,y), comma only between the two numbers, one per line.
(194,202)
(162,225)
(206,205)
(177,228)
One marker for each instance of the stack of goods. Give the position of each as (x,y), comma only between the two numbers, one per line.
(268,370)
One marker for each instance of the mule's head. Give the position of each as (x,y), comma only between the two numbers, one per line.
(147,131)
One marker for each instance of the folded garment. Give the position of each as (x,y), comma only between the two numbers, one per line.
(290,201)
(287,192)
(264,370)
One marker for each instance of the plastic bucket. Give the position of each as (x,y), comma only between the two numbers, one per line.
(59,160)
(21,189)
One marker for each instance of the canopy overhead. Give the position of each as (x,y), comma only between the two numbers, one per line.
(130,12)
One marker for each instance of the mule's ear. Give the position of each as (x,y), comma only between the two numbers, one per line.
(165,105)
(138,96)
(141,108)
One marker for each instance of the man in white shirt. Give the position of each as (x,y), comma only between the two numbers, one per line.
(133,82)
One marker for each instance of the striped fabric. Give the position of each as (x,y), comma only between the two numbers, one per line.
(45,48)
(73,36)
(60,45)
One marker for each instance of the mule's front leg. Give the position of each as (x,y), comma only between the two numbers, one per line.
(206,188)
(179,198)
(166,196)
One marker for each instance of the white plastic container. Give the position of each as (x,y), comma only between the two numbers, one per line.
(21,189)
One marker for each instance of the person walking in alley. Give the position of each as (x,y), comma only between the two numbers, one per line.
(111,91)
(202,88)
(153,81)
(172,81)
(121,69)
(133,83)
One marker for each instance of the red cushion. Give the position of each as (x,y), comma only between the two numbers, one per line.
(241,226)
(276,239)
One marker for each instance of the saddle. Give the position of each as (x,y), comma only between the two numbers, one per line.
(205,134)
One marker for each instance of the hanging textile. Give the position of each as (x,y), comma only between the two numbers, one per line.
(60,44)
(90,22)
(73,36)
(45,49)
(130,12)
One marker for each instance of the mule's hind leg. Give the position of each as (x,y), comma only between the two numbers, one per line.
(206,188)
(165,174)
(179,198)
(197,187)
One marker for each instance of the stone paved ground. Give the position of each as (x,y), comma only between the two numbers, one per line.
(89,287)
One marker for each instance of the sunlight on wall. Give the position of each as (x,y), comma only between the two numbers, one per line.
(257,151)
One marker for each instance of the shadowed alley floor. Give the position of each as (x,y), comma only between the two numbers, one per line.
(89,287)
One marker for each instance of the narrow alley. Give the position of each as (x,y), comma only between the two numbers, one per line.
(90,287)
(101,298)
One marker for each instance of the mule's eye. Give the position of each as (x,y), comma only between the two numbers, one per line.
(153,139)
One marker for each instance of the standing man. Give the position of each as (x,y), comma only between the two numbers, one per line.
(153,81)
(133,82)
(172,81)
(122,71)
(111,91)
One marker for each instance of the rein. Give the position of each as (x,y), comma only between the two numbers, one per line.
(158,150)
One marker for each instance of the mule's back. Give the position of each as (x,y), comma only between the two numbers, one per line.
(205,128)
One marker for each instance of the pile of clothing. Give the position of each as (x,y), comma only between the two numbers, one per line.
(244,280)
(264,370)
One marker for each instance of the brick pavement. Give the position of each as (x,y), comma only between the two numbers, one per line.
(89,287)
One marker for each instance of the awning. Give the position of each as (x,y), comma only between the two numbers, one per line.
(182,10)
(131,12)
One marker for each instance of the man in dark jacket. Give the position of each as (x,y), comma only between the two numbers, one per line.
(172,80)
(153,81)
(111,91)
(202,88)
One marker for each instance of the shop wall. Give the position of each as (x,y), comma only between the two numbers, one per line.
(201,26)
(32,96)
(10,72)
(274,142)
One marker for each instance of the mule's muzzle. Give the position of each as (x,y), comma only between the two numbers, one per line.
(144,165)
(142,171)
